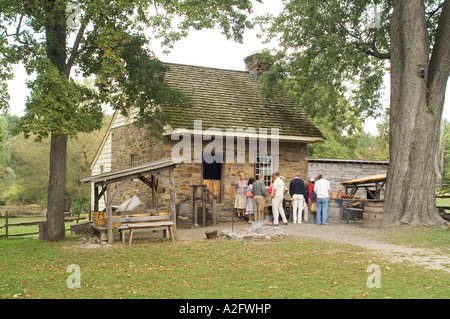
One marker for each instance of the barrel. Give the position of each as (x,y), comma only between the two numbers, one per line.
(373,214)
(335,207)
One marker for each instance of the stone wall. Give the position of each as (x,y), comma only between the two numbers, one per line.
(338,171)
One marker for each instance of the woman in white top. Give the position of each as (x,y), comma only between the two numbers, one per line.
(249,211)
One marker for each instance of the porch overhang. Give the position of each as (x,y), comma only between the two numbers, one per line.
(148,173)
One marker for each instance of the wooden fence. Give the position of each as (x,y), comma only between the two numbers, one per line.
(7,225)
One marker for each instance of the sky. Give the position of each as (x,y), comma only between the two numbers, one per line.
(207,48)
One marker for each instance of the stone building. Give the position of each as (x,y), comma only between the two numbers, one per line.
(341,170)
(228,129)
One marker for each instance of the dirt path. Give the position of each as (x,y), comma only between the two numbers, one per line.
(353,234)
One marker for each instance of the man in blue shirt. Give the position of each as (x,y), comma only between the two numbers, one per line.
(298,192)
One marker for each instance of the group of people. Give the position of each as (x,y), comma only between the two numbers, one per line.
(251,198)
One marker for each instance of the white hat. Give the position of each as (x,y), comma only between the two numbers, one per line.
(312,179)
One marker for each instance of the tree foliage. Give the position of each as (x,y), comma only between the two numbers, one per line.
(333,58)
(110,40)
(54,39)
(359,145)
(6,172)
(337,51)
(327,58)
(30,162)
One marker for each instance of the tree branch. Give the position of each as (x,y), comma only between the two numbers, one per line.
(74,52)
(432,13)
(373,51)
(5,33)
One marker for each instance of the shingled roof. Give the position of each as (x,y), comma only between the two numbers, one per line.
(230,99)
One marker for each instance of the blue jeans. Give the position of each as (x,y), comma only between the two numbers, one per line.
(322,211)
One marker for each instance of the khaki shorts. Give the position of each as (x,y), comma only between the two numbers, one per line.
(240,202)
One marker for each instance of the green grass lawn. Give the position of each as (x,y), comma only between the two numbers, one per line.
(442,201)
(291,267)
(428,238)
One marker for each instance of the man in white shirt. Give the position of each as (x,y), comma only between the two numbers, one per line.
(277,199)
(322,189)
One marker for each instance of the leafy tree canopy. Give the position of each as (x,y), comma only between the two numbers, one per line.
(109,40)
(334,55)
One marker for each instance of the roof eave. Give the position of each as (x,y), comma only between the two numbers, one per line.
(303,139)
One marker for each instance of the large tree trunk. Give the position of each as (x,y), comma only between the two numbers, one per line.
(55,32)
(417,98)
(54,227)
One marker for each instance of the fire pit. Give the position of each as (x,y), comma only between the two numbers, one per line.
(256,231)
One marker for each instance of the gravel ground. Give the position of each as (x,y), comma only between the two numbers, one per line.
(354,234)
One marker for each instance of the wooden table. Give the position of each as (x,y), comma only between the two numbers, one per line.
(163,225)
(133,224)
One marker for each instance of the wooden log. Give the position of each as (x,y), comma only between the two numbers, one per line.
(27,223)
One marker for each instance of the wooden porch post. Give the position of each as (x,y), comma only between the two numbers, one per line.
(173,198)
(214,211)
(109,202)
(194,197)
(154,193)
(96,198)
(109,213)
(203,206)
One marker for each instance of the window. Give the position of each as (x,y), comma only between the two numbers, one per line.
(263,166)
(134,160)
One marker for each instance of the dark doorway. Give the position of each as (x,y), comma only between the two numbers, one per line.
(212,171)
(212,178)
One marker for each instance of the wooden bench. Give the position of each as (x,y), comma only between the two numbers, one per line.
(163,225)
(145,223)
(138,223)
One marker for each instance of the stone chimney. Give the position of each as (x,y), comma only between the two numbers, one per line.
(255,67)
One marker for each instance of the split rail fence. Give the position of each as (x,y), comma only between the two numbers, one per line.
(7,224)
